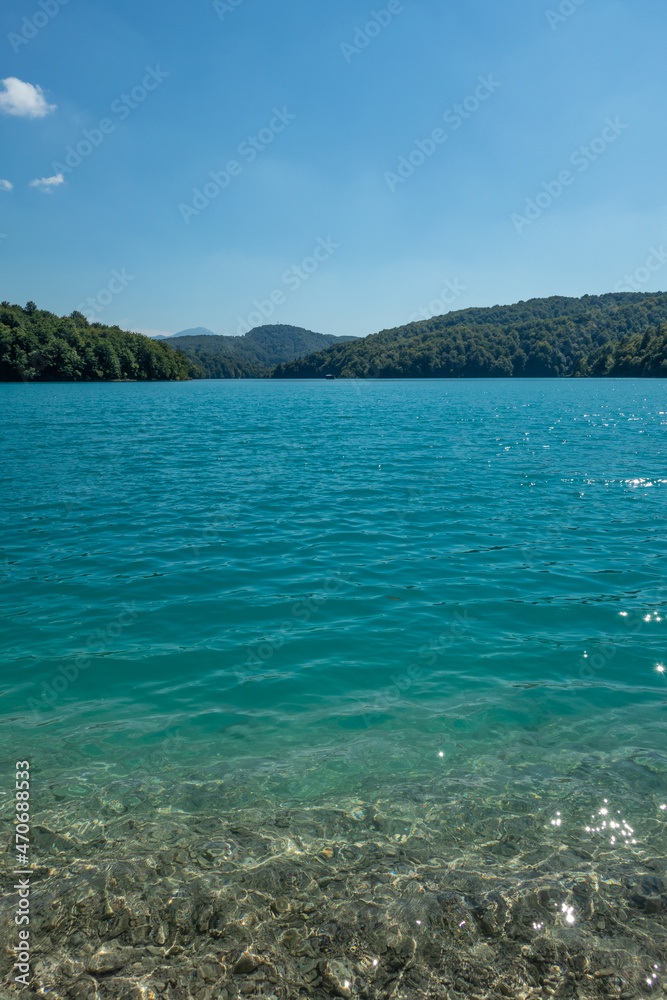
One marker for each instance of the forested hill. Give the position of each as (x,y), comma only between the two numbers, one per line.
(38,346)
(640,356)
(539,338)
(616,335)
(253,355)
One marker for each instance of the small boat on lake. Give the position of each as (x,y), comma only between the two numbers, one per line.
(330,378)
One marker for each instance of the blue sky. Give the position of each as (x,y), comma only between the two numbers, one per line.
(351,194)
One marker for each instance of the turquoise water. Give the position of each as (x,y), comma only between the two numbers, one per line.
(403,596)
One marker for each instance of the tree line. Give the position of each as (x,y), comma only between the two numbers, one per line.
(253,355)
(640,356)
(38,346)
(617,335)
(540,338)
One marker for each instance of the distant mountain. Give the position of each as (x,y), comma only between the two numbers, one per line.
(552,337)
(196,331)
(253,355)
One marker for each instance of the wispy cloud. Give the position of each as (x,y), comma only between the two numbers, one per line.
(47,184)
(5,185)
(23,99)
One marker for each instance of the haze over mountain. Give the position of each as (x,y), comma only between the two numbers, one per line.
(252,355)
(195,331)
(549,337)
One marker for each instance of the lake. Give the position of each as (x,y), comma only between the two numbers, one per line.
(363,677)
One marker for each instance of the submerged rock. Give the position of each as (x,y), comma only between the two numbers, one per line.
(109,960)
(338,976)
(176,906)
(246,964)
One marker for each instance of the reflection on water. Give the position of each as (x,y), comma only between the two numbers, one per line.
(346,694)
(502,866)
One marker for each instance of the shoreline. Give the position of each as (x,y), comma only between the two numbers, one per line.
(209,902)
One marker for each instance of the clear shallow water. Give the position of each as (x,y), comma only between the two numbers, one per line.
(389,596)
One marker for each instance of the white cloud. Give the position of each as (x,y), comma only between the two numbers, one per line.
(6,185)
(23,99)
(47,184)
